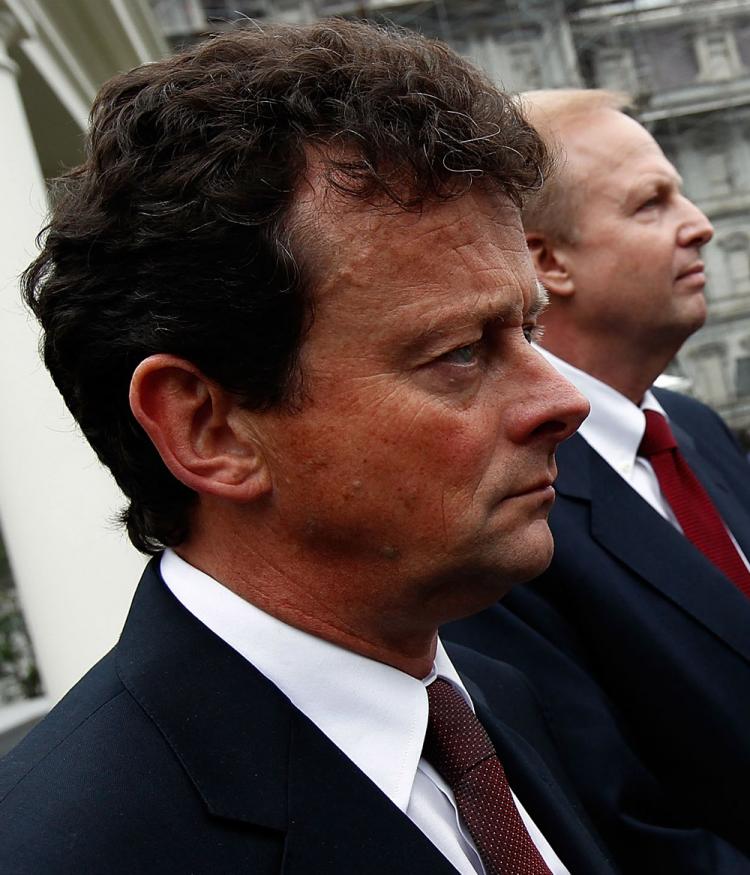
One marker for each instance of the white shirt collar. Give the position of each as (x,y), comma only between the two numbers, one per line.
(375,714)
(615,426)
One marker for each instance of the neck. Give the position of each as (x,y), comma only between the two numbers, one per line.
(324,602)
(630,371)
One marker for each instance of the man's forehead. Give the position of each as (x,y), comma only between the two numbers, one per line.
(605,139)
(610,158)
(341,226)
(428,273)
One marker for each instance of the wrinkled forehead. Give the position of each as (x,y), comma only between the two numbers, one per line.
(336,232)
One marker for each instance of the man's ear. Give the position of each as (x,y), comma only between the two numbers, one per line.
(551,265)
(197,429)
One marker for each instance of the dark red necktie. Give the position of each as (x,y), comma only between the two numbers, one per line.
(459,748)
(690,502)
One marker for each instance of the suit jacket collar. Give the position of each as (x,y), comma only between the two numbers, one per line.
(251,755)
(632,531)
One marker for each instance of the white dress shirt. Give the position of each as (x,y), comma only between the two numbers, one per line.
(615,428)
(375,714)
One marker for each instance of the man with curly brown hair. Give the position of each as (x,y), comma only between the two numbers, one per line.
(287,298)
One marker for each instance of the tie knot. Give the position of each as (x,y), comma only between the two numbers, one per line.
(658,436)
(455,741)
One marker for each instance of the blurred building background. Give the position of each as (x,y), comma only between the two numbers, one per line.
(687,65)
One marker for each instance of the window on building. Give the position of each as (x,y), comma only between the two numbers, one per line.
(736,250)
(615,69)
(710,374)
(524,65)
(718,173)
(742,381)
(717,54)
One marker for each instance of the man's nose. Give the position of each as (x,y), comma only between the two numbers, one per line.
(559,409)
(696,229)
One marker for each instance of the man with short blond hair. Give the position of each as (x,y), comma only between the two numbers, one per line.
(649,587)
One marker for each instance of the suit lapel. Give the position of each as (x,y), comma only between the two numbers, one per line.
(633,532)
(225,722)
(339,821)
(252,756)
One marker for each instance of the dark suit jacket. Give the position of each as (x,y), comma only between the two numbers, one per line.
(175,755)
(644,651)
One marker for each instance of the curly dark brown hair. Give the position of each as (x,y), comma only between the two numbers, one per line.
(174,235)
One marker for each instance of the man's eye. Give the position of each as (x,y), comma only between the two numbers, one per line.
(533,332)
(462,355)
(651,202)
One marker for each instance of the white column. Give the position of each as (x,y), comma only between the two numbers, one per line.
(75,573)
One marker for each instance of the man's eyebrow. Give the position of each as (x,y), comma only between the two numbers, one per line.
(539,301)
(447,324)
(674,179)
(660,179)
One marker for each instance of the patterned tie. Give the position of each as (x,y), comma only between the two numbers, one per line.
(459,748)
(690,502)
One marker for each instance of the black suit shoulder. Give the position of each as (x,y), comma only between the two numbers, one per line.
(95,788)
(95,690)
(677,403)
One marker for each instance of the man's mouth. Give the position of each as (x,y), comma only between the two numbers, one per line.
(695,268)
(539,486)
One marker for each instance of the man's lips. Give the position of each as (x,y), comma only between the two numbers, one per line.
(543,483)
(541,486)
(697,267)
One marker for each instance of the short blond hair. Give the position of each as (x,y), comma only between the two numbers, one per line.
(553,209)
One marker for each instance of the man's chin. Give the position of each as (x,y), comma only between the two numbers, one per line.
(529,572)
(695,313)
(527,554)
(527,558)
(533,552)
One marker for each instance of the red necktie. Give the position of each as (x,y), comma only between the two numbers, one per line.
(459,748)
(690,502)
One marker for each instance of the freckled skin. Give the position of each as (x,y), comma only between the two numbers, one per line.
(396,487)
